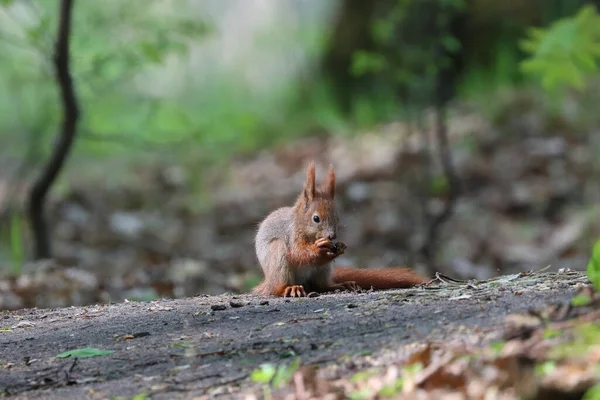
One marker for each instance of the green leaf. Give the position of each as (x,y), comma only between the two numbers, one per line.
(363,375)
(37,33)
(364,62)
(264,374)
(193,28)
(392,390)
(285,372)
(287,354)
(456,4)
(593,267)
(593,393)
(497,346)
(6,3)
(362,394)
(152,52)
(412,369)
(16,244)
(563,54)
(451,44)
(439,185)
(580,300)
(551,333)
(545,368)
(85,353)
(382,30)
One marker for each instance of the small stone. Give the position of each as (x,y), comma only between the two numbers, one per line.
(218,307)
(236,304)
(352,305)
(313,294)
(264,303)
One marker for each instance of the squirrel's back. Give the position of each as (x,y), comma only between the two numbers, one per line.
(277,225)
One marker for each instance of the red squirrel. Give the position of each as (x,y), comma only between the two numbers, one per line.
(296,246)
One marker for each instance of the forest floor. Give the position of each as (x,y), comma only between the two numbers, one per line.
(213,346)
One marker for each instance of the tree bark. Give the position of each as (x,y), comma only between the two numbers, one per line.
(62,148)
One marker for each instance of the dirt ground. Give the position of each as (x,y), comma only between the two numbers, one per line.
(208,346)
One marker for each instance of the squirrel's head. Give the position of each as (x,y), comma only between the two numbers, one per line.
(315,207)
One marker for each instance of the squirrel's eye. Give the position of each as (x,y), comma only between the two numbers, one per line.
(316,218)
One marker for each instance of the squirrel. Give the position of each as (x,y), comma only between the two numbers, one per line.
(296,246)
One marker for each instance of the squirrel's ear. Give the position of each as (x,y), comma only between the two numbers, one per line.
(309,185)
(328,184)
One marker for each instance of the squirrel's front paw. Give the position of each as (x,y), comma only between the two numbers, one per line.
(294,291)
(325,248)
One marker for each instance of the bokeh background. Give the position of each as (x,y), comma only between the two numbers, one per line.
(464,135)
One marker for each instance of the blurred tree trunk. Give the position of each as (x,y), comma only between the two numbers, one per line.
(41,187)
(351,32)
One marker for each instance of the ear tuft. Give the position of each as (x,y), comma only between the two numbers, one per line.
(328,184)
(309,185)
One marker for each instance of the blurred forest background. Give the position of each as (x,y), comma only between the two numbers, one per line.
(465,135)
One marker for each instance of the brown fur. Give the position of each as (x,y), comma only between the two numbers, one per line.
(295,248)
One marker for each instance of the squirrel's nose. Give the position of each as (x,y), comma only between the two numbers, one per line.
(332,236)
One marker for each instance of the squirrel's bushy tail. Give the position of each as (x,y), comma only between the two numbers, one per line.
(378,278)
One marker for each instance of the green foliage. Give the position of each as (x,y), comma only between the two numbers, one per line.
(392,390)
(363,375)
(142,99)
(406,54)
(439,185)
(479,80)
(580,300)
(16,244)
(139,396)
(85,353)
(585,336)
(111,71)
(545,368)
(593,267)
(412,369)
(264,374)
(365,62)
(277,376)
(563,54)
(389,390)
(285,372)
(592,393)
(497,346)
(551,333)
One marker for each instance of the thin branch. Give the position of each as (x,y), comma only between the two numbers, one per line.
(442,95)
(62,148)
(445,155)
